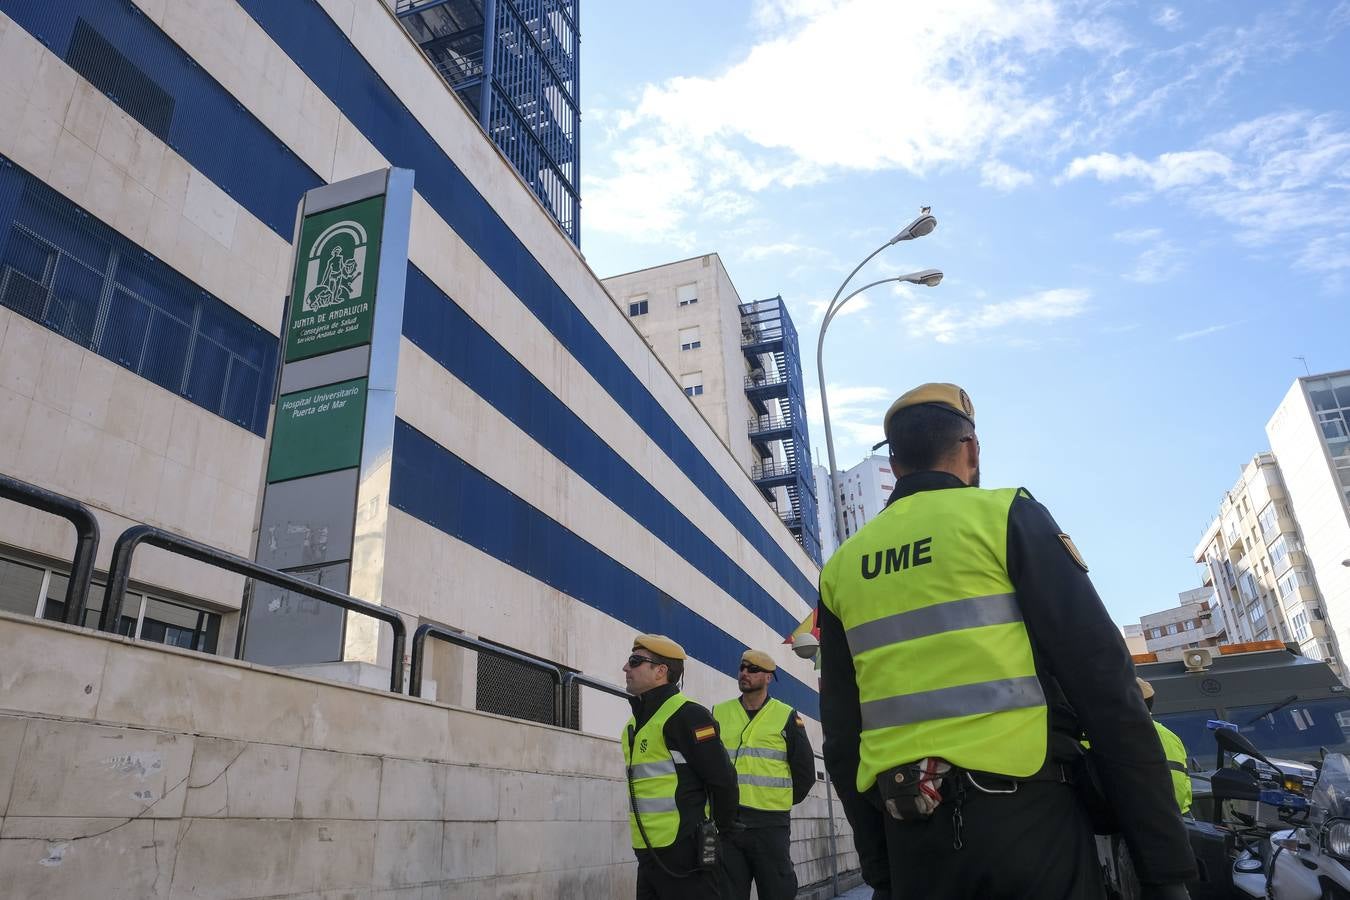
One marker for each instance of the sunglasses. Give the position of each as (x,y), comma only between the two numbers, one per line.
(634,661)
(752,669)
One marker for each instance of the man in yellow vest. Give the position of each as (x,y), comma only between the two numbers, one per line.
(963,651)
(775,769)
(1175,751)
(676,767)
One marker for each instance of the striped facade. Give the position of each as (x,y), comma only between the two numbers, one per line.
(554,489)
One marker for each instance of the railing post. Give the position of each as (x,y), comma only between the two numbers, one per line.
(834,846)
(86,537)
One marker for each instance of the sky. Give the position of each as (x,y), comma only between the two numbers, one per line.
(1143,207)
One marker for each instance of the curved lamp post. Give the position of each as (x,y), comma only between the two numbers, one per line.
(921,226)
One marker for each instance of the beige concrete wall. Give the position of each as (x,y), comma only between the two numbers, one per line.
(135,771)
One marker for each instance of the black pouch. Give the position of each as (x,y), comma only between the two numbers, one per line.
(707,848)
(900,796)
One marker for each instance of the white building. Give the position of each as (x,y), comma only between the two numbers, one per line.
(864,490)
(1253,558)
(1134,638)
(1310,436)
(1192,623)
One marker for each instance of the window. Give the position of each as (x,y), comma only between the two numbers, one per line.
(689,339)
(637,308)
(1279,551)
(687,294)
(1300,623)
(104,66)
(34,590)
(76,276)
(1269,519)
(692,382)
(1257,613)
(1172,628)
(1292,580)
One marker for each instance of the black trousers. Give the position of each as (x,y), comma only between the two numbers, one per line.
(1034,844)
(653,883)
(760,855)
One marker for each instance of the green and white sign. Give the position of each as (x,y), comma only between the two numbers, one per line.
(333,294)
(318,430)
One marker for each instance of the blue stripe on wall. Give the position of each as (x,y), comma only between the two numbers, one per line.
(437,487)
(305,32)
(449,335)
(231,147)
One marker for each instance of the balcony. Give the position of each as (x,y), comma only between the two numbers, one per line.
(769,428)
(773,474)
(766,385)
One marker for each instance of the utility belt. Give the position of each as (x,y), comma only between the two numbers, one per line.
(914,791)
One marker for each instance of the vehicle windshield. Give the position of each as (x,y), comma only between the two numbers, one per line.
(1331,797)
(1296,732)
(1190,727)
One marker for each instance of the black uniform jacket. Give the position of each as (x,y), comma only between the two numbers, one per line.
(713,778)
(802,764)
(1088,678)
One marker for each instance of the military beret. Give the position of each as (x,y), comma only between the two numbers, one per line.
(1144,687)
(660,645)
(947,396)
(759,658)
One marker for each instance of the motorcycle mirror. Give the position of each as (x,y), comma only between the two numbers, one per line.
(1230,740)
(1234,784)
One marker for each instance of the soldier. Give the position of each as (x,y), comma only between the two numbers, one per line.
(963,650)
(676,766)
(775,769)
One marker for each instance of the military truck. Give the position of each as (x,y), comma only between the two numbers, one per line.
(1288,705)
(1292,708)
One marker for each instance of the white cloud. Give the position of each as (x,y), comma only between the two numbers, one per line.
(1138,235)
(1158,261)
(1169,170)
(782,248)
(1003,177)
(855,414)
(955,90)
(949,325)
(1168,17)
(1273,179)
(1202,332)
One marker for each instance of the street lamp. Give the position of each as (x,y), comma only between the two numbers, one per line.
(921,226)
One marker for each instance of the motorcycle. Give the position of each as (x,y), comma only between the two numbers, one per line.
(1310,861)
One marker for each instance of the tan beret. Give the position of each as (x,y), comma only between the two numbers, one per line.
(947,396)
(660,645)
(759,658)
(1144,687)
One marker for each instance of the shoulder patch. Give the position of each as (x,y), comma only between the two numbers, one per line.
(1023,492)
(706,733)
(1073,551)
(800,721)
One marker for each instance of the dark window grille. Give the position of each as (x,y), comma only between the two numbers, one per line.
(66,270)
(510,688)
(104,66)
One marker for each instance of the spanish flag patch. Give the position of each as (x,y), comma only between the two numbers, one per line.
(706,733)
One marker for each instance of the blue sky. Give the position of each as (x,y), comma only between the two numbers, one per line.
(1144,217)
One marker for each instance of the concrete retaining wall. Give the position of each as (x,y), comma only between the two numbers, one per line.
(135,771)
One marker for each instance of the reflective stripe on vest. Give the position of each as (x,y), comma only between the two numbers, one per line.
(1175,751)
(759,752)
(943,663)
(653,776)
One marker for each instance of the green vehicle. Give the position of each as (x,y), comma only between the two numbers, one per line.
(1288,705)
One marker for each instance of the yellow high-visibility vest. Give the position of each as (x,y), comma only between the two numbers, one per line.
(651,772)
(759,751)
(1175,751)
(943,662)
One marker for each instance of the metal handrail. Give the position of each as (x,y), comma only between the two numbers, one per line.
(442,633)
(86,537)
(119,574)
(584,680)
(767,381)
